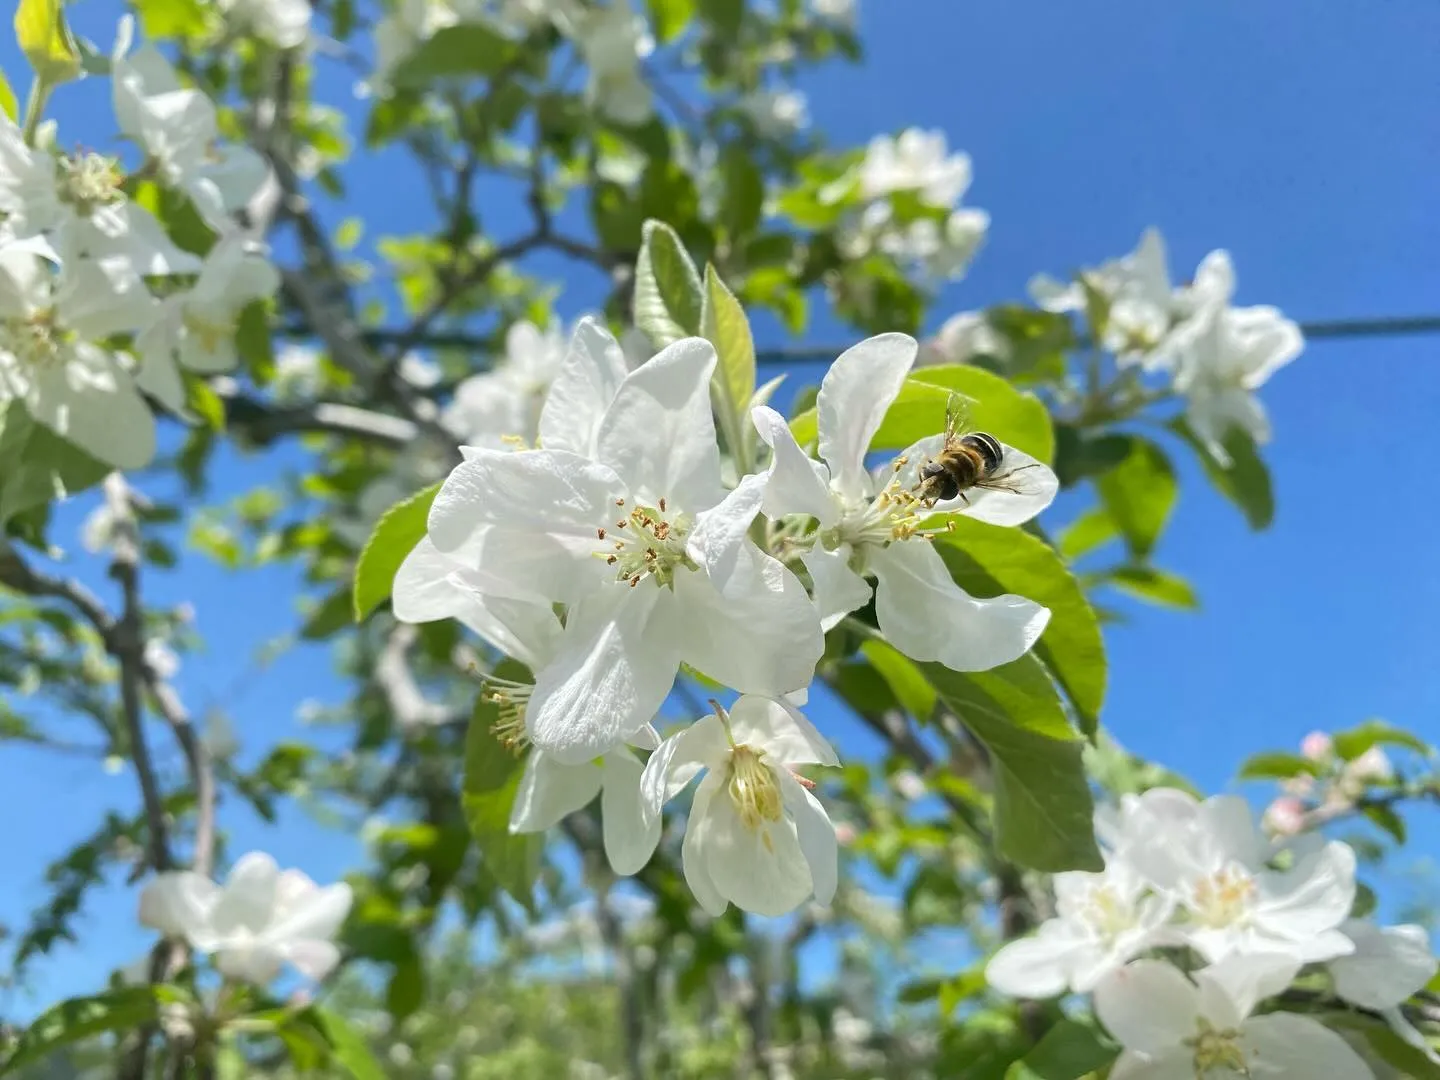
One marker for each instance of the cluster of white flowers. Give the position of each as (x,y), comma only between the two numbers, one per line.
(284,24)
(1333,785)
(1216,354)
(611,38)
(623,549)
(81,265)
(911,187)
(1184,878)
(259,921)
(776,114)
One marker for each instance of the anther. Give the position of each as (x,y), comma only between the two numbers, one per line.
(662,505)
(600,533)
(635,581)
(619,502)
(613,559)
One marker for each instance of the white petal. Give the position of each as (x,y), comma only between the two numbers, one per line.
(536,567)
(586,384)
(1284,1046)
(1389,964)
(550,790)
(838,590)
(1230,990)
(630,835)
(781,730)
(762,636)
(312,958)
(1037,966)
(158,374)
(319,918)
(1313,897)
(1401,1026)
(254,963)
(659,432)
(546,491)
(816,835)
(761,870)
(86,398)
(854,395)
(616,662)
(1176,1063)
(178,904)
(795,483)
(722,530)
(692,859)
(247,900)
(1148,1005)
(679,759)
(925,615)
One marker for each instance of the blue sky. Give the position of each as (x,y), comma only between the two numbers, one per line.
(1300,138)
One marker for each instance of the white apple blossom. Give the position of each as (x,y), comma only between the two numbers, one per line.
(261,919)
(505,402)
(755,837)
(1173,1029)
(1389,964)
(49,323)
(776,114)
(873,523)
(1221,357)
(917,161)
(1102,921)
(195,328)
(962,338)
(1216,868)
(623,518)
(283,23)
(179,131)
(161,659)
(613,40)
(841,12)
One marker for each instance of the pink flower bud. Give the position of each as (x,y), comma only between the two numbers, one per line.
(1285,816)
(1316,746)
(844,833)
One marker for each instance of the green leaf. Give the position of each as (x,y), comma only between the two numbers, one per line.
(1244,479)
(1276,765)
(45,39)
(1386,818)
(204,402)
(1092,529)
(467,49)
(1349,745)
(1068,1051)
(330,616)
(1156,586)
(724,15)
(171,18)
(1012,416)
(396,533)
(40,466)
(989,560)
(252,336)
(724,324)
(744,188)
(406,990)
(1386,1044)
(668,295)
(670,17)
(7,99)
(347,1046)
(908,683)
(123,1010)
(1044,811)
(492,778)
(1139,493)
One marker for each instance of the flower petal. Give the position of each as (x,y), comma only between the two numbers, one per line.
(1313,897)
(630,834)
(837,589)
(313,958)
(692,859)
(593,369)
(722,530)
(1024,485)
(659,432)
(178,904)
(927,616)
(816,835)
(319,918)
(795,483)
(1038,966)
(701,745)
(760,869)
(1388,965)
(781,730)
(1230,990)
(616,662)
(1284,1046)
(1148,1005)
(247,900)
(762,636)
(255,963)
(854,395)
(85,397)
(550,790)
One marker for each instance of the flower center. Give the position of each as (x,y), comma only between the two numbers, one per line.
(752,787)
(511,700)
(36,341)
(1106,913)
(896,513)
(1217,1048)
(1223,898)
(648,542)
(88,181)
(210,332)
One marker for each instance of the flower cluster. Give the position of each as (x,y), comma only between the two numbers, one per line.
(1215,354)
(1185,879)
(84,267)
(1329,785)
(911,187)
(259,921)
(625,549)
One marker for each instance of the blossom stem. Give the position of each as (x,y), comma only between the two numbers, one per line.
(35,107)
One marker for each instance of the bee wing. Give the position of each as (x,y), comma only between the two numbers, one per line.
(1018,490)
(957,416)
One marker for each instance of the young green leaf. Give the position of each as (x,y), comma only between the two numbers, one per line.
(492,778)
(8,103)
(123,1010)
(1155,586)
(348,1047)
(1068,1051)
(467,49)
(39,465)
(396,533)
(1139,493)
(45,39)
(1243,479)
(669,297)
(1349,745)
(724,324)
(988,560)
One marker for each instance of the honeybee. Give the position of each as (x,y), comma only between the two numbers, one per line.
(969,459)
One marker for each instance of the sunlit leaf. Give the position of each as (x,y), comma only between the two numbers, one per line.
(724,324)
(1139,494)
(396,533)
(46,41)
(123,1010)
(1350,744)
(669,297)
